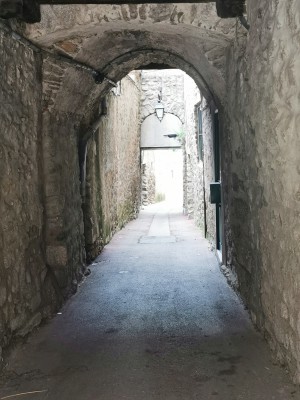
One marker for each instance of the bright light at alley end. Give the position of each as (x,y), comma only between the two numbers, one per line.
(159,110)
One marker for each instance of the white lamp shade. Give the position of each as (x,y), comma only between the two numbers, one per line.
(159,110)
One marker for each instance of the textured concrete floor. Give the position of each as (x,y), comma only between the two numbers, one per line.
(155,320)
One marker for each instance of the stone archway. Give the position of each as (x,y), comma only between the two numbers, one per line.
(117,39)
(113,40)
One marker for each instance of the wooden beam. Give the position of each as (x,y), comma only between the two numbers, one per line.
(11,8)
(120,1)
(26,10)
(230,8)
(31,11)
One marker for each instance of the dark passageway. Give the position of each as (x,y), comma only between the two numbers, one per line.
(155,320)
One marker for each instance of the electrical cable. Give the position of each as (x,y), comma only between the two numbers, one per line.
(98,76)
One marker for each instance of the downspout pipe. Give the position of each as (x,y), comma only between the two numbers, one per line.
(82,147)
(98,76)
(244,22)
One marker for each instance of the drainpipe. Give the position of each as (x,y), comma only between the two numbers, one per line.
(244,22)
(82,148)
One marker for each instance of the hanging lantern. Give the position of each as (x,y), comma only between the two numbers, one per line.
(159,108)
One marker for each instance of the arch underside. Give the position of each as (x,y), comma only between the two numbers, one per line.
(117,39)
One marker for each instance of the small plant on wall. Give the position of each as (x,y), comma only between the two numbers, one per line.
(180,135)
(160,197)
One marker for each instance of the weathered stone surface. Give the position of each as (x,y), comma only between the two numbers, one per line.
(193,193)
(31,324)
(190,37)
(261,172)
(148,184)
(198,174)
(209,168)
(22,254)
(170,83)
(113,167)
(64,219)
(57,256)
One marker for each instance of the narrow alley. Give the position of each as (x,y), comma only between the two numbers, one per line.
(156,319)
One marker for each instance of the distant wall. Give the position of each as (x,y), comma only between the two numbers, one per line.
(181,97)
(113,167)
(193,190)
(166,166)
(199,173)
(170,83)
(44,233)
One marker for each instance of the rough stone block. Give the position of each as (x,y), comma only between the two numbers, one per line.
(57,256)
(30,325)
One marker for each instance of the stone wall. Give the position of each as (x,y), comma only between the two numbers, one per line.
(181,97)
(261,172)
(199,173)
(64,233)
(25,283)
(113,167)
(208,110)
(148,184)
(193,196)
(42,252)
(170,83)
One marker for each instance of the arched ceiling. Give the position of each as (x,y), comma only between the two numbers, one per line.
(118,38)
(63,22)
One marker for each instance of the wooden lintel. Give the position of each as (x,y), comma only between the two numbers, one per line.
(120,1)
(230,8)
(26,10)
(29,10)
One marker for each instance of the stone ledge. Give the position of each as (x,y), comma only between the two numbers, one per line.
(29,10)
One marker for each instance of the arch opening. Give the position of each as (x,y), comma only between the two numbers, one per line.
(154,136)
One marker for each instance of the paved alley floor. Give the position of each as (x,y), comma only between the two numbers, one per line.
(155,320)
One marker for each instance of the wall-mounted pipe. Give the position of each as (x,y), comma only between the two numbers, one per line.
(244,22)
(98,76)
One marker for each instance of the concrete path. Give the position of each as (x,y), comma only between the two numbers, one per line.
(154,321)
